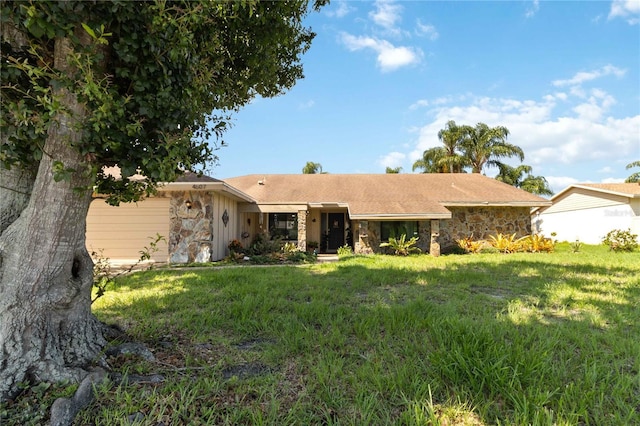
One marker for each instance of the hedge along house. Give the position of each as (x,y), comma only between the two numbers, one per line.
(363,210)
(588,211)
(199,216)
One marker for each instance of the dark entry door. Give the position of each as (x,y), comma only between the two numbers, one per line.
(336,231)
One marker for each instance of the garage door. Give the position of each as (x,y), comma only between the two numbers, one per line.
(122,232)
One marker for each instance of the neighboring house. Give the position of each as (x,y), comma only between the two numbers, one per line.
(202,215)
(588,211)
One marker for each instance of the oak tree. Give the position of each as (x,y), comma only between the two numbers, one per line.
(145,86)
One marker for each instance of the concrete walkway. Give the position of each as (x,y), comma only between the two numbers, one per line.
(327,258)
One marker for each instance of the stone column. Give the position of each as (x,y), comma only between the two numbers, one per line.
(434,248)
(302,230)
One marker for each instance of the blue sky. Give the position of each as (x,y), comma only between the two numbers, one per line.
(383,77)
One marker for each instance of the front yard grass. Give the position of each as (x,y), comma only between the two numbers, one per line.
(483,339)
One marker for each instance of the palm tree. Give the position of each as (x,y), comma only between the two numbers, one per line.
(515,176)
(431,161)
(452,137)
(393,170)
(635,177)
(447,158)
(312,168)
(485,146)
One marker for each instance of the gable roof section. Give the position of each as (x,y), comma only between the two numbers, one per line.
(193,182)
(384,196)
(618,191)
(631,190)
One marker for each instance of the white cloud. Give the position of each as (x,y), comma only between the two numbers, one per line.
(390,57)
(558,183)
(585,76)
(613,180)
(342,9)
(426,30)
(306,105)
(392,159)
(386,14)
(532,9)
(605,169)
(419,104)
(550,139)
(626,9)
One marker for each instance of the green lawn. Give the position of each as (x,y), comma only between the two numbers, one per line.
(543,339)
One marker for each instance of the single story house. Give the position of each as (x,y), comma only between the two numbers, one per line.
(588,211)
(199,216)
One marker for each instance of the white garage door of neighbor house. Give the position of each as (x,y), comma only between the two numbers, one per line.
(122,232)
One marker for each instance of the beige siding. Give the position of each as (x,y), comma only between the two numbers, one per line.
(580,199)
(122,232)
(222,234)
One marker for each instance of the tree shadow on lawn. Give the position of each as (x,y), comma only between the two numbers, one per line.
(519,340)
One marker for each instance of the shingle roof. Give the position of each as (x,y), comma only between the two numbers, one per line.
(628,189)
(380,195)
(195,178)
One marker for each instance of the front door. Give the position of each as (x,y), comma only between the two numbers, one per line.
(336,231)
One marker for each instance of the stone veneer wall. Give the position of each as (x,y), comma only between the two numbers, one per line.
(465,221)
(190,229)
(302,230)
(480,222)
(367,238)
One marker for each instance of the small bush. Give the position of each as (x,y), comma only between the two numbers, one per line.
(402,247)
(576,246)
(619,240)
(506,243)
(469,245)
(345,251)
(261,245)
(537,243)
(288,248)
(235,246)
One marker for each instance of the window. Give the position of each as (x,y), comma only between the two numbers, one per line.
(283,225)
(396,229)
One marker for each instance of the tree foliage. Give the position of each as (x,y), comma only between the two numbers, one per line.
(312,168)
(635,177)
(393,170)
(521,177)
(448,158)
(467,148)
(158,79)
(148,86)
(485,146)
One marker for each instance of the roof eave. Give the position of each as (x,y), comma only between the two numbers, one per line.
(206,186)
(497,204)
(399,216)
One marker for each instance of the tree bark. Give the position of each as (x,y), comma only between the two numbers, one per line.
(47,330)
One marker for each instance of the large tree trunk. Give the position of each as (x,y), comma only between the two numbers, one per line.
(47,330)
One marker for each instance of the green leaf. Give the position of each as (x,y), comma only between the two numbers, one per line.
(89,30)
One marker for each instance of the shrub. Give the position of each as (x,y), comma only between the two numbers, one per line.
(263,246)
(235,246)
(576,246)
(345,251)
(619,240)
(469,245)
(537,243)
(288,248)
(506,243)
(401,246)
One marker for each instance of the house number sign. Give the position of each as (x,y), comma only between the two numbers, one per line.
(199,186)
